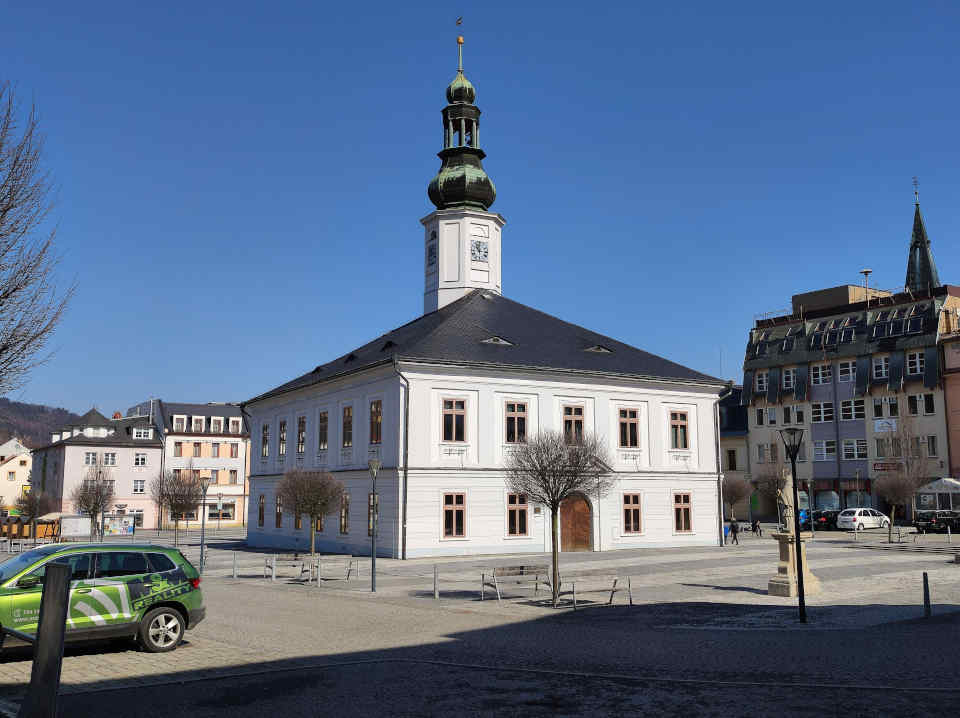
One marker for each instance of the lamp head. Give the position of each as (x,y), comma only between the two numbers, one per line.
(791,441)
(374,466)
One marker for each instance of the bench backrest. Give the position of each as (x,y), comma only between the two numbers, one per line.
(521,570)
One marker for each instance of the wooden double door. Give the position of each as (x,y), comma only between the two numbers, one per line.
(576,524)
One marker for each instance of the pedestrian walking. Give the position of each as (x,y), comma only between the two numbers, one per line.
(734,531)
(755,526)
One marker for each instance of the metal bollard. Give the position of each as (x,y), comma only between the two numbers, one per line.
(483,580)
(926,596)
(613,590)
(948,534)
(436,585)
(41,697)
(574,596)
(629,591)
(234,564)
(273,568)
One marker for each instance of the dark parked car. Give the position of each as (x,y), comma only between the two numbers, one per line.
(936,521)
(825,519)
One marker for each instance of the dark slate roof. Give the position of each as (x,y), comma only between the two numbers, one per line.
(93,418)
(122,436)
(167,410)
(733,416)
(489,329)
(921,269)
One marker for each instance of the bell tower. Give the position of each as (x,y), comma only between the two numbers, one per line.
(462,237)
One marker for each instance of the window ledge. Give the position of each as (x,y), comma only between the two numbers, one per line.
(454,538)
(518,538)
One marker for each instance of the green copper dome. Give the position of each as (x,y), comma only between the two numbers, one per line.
(461,90)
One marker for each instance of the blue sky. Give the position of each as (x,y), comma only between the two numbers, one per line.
(240,184)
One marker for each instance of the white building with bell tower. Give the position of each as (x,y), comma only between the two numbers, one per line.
(462,249)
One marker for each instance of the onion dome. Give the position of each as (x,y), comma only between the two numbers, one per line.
(461,90)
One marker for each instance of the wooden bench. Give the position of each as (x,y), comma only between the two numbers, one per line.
(519,574)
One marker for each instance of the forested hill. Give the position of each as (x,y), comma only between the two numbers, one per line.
(32,423)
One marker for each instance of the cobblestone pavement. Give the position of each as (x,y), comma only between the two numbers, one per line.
(701,615)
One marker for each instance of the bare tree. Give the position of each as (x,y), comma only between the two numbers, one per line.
(910,452)
(157,494)
(182,493)
(771,480)
(311,493)
(735,490)
(34,504)
(30,305)
(93,495)
(549,469)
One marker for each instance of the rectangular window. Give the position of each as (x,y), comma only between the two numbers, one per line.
(516,418)
(344,513)
(197,424)
(142,433)
(517,514)
(278,518)
(265,441)
(234,451)
(196,448)
(573,424)
(760,414)
(678,430)
(235,426)
(802,454)
(216,426)
(915,443)
(179,423)
(139,459)
(629,428)
(322,431)
(215,476)
(882,448)
(789,378)
(109,459)
(848,371)
(881,367)
(347,426)
(774,452)
(682,518)
(631,513)
(798,414)
(761,453)
(914,362)
(90,458)
(731,459)
(821,374)
(761,382)
(913,404)
(373,507)
(877,407)
(301,435)
(821,412)
(825,450)
(928,407)
(260,510)
(896,448)
(854,449)
(454,515)
(178,448)
(893,407)
(215,450)
(932,446)
(234,476)
(786,414)
(11,476)
(771,416)
(852,409)
(376,421)
(139,486)
(282,439)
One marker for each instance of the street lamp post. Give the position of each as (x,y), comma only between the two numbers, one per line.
(374,466)
(791,441)
(205,482)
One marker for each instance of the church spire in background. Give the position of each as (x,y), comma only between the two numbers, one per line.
(922,274)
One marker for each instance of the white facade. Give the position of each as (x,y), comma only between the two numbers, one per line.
(461,253)
(474,467)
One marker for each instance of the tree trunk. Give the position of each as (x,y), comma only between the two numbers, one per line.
(313,528)
(893,513)
(93,527)
(176,532)
(555,531)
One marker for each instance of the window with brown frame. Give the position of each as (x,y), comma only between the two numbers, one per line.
(631,513)
(178,448)
(179,424)
(682,519)
(573,424)
(301,435)
(282,439)
(516,422)
(322,431)
(215,450)
(234,451)
(297,522)
(278,519)
(344,513)
(629,428)
(454,515)
(454,419)
(678,430)
(260,510)
(265,441)
(376,421)
(517,514)
(347,427)
(370,511)
(196,448)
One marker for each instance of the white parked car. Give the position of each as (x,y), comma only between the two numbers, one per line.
(860,519)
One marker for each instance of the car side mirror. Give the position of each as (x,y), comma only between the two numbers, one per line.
(28,582)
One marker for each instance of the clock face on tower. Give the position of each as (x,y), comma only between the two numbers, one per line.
(479,251)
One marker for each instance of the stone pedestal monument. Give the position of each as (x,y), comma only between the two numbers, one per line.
(785,582)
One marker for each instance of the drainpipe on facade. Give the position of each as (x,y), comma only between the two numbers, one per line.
(406,448)
(716,424)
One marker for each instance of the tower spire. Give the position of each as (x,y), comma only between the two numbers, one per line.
(922,273)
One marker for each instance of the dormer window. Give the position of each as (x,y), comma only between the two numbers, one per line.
(235,426)
(787,345)
(179,424)
(216,425)
(142,432)
(196,424)
(599,349)
(497,340)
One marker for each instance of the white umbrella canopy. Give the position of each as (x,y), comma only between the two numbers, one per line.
(941,486)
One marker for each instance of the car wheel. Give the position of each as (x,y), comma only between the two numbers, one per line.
(161,630)
(860,527)
(885,524)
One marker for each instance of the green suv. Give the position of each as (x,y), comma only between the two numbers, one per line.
(148,592)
